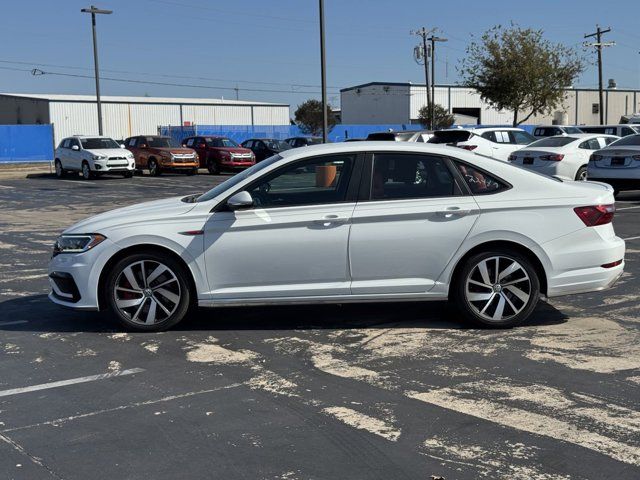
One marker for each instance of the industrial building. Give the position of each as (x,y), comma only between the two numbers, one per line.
(126,116)
(382,103)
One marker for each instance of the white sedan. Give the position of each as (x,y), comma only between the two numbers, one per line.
(347,222)
(496,143)
(564,156)
(618,164)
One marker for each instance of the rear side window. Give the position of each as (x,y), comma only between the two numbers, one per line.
(609,140)
(65,143)
(591,144)
(478,181)
(626,131)
(399,176)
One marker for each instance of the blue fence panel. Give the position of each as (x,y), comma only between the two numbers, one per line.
(26,143)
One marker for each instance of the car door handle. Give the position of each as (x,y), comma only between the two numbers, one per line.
(453,212)
(331,219)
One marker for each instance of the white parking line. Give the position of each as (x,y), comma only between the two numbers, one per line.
(72,381)
(631,238)
(7,186)
(16,322)
(627,208)
(78,182)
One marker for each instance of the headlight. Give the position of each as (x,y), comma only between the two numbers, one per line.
(129,155)
(99,157)
(77,243)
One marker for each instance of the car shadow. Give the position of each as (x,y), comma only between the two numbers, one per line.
(37,314)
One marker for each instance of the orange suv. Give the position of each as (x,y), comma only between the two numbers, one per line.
(162,154)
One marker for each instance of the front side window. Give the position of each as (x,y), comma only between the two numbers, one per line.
(403,176)
(310,182)
(478,181)
(626,131)
(74,141)
(65,143)
(609,140)
(190,142)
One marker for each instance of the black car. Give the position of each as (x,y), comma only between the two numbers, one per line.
(265,147)
(296,142)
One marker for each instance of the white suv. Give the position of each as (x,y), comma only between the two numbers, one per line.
(93,156)
(496,143)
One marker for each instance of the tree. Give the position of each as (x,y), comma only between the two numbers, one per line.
(308,117)
(441,117)
(517,69)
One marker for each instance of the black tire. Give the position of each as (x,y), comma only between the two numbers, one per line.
(86,172)
(154,168)
(472,310)
(616,193)
(60,172)
(128,174)
(581,174)
(212,167)
(180,287)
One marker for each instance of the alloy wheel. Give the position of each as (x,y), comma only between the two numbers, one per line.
(498,288)
(582,175)
(86,171)
(147,292)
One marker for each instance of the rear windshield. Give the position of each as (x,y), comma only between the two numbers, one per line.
(221,143)
(382,136)
(628,140)
(450,136)
(552,142)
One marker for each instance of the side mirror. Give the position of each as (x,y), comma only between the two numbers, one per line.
(201,145)
(122,145)
(75,147)
(240,201)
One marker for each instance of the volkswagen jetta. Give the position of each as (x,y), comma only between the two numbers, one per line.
(351,222)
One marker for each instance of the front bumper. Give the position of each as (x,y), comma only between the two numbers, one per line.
(74,277)
(236,164)
(106,166)
(168,165)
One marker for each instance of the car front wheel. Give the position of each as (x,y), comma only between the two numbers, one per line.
(148,292)
(496,289)
(212,167)
(87,174)
(60,172)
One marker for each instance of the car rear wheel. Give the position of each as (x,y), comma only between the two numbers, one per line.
(582,174)
(87,174)
(148,292)
(154,168)
(60,172)
(496,289)
(212,167)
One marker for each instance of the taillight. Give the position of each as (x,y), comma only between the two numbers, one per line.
(612,264)
(595,215)
(468,147)
(556,158)
(636,157)
(595,158)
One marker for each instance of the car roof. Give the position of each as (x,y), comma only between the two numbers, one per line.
(609,125)
(481,129)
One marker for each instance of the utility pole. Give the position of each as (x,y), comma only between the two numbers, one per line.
(599,44)
(94,11)
(237,92)
(433,39)
(323,73)
(423,32)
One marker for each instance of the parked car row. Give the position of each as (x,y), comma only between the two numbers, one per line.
(95,155)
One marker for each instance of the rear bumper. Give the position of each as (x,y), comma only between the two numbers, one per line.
(577,261)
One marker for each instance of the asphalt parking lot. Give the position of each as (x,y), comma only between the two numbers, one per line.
(387,391)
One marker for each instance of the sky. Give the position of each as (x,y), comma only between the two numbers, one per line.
(269,49)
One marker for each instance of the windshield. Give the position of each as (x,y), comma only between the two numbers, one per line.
(162,142)
(572,130)
(631,140)
(98,143)
(236,179)
(552,142)
(277,145)
(221,143)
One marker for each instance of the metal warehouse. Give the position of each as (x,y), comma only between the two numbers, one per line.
(380,103)
(127,116)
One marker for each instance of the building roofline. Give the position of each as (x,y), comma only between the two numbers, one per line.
(453,86)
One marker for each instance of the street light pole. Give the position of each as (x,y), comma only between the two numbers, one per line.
(423,32)
(323,73)
(599,44)
(94,11)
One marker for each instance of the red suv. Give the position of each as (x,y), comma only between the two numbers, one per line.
(219,154)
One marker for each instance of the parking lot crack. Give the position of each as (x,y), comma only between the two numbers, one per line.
(38,461)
